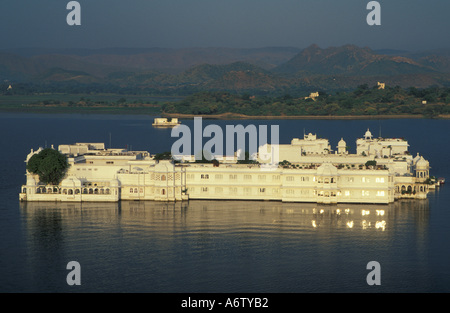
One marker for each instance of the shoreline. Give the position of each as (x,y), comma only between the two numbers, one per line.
(226,116)
(223,116)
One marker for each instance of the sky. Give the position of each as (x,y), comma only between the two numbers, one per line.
(412,25)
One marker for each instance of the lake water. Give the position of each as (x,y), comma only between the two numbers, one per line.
(219,246)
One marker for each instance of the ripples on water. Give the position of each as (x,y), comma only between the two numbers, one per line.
(200,246)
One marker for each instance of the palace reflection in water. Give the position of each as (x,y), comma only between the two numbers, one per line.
(223,215)
(243,245)
(221,246)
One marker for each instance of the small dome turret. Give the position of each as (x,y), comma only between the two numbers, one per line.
(327,169)
(68,182)
(368,134)
(422,164)
(342,147)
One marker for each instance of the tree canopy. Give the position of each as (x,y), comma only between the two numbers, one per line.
(167,155)
(50,165)
(429,102)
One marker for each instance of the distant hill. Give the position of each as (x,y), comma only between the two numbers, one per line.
(62,75)
(350,60)
(282,70)
(156,58)
(16,67)
(237,76)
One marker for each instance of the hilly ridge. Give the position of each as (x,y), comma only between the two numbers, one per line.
(185,71)
(349,60)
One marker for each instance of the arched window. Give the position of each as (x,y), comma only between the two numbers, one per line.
(163,191)
(70,192)
(163,177)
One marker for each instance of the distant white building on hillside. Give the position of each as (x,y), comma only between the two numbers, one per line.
(313,95)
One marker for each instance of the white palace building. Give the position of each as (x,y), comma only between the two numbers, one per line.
(309,172)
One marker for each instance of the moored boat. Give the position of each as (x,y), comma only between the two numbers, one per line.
(164,122)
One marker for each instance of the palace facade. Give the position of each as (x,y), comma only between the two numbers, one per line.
(309,171)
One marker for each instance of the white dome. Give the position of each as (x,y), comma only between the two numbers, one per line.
(71,182)
(342,143)
(327,169)
(368,134)
(68,182)
(422,164)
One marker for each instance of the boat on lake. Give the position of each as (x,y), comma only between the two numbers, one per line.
(164,122)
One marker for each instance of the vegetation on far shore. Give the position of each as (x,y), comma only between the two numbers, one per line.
(362,101)
(73,103)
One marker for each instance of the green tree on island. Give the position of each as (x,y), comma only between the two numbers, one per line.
(50,165)
(167,155)
(371,163)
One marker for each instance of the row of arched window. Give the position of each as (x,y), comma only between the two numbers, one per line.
(71,191)
(410,188)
